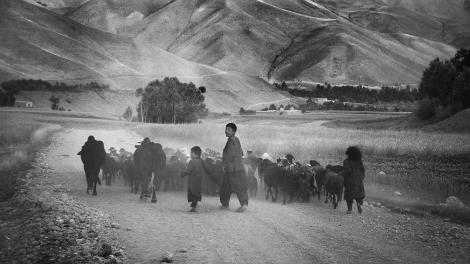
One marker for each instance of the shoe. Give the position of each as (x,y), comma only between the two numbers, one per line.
(359,209)
(221,207)
(241,209)
(193,209)
(349,212)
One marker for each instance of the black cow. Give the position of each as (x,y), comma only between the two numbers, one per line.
(251,179)
(213,179)
(130,175)
(150,162)
(335,168)
(273,176)
(171,175)
(110,170)
(93,156)
(308,183)
(334,185)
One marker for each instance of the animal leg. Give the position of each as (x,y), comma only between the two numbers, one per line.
(94,188)
(267,193)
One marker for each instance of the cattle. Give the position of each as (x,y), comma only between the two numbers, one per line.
(335,168)
(273,176)
(251,179)
(93,156)
(308,183)
(110,170)
(150,161)
(129,174)
(333,184)
(172,173)
(213,178)
(319,175)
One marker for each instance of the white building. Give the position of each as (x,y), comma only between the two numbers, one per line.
(320,101)
(26,104)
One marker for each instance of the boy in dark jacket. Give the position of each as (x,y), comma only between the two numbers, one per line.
(195,172)
(354,173)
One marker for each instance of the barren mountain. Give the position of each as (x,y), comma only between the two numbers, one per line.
(38,43)
(348,41)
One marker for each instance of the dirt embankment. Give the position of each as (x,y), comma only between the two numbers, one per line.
(42,223)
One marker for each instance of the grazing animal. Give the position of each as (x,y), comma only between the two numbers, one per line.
(319,175)
(314,163)
(273,176)
(335,168)
(130,175)
(150,162)
(308,184)
(213,179)
(171,175)
(334,185)
(93,156)
(110,169)
(291,183)
(252,181)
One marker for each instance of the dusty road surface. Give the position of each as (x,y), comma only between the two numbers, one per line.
(266,233)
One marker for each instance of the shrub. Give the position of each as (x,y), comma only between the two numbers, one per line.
(427,108)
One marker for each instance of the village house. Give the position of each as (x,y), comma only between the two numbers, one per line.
(26,104)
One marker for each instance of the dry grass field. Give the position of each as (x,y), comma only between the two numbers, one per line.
(20,137)
(433,165)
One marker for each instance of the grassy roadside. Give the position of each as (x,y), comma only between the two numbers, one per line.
(20,138)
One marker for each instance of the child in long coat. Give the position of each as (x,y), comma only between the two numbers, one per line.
(195,172)
(354,173)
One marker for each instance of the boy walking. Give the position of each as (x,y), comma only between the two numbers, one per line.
(234,178)
(195,172)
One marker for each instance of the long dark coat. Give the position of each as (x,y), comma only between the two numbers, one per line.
(195,172)
(354,173)
(232,155)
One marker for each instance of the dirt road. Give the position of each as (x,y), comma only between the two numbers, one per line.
(266,233)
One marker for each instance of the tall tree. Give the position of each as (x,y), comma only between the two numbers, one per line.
(138,93)
(128,114)
(171,101)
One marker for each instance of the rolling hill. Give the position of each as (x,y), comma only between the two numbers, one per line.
(229,46)
(369,42)
(40,44)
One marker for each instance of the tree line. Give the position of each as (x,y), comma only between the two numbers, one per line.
(15,86)
(445,87)
(350,93)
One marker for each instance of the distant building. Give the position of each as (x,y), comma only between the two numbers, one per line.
(290,110)
(27,104)
(320,101)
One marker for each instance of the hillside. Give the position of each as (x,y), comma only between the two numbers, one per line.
(367,42)
(109,103)
(40,44)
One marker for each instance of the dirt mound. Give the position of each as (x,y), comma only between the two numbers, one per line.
(458,123)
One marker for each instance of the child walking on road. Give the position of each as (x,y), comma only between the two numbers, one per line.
(195,172)
(354,174)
